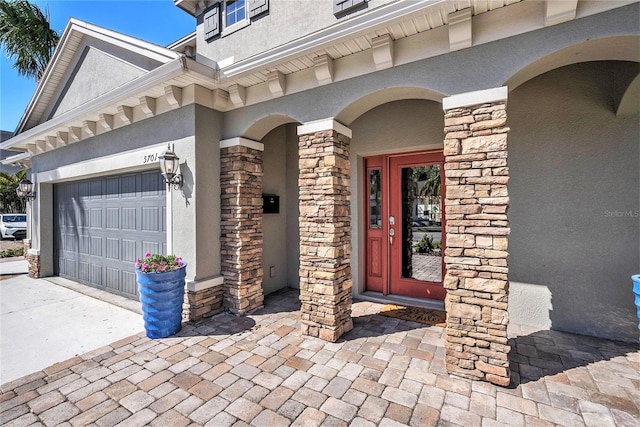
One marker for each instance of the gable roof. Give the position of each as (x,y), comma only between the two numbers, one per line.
(74,34)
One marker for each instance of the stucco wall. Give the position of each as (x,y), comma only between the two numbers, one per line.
(95,74)
(481,67)
(574,204)
(196,215)
(166,127)
(98,67)
(293,207)
(275,225)
(267,31)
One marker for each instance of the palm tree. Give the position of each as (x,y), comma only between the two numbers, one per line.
(27,37)
(9,200)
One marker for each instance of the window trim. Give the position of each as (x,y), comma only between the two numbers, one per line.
(226,30)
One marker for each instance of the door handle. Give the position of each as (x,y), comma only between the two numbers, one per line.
(392,232)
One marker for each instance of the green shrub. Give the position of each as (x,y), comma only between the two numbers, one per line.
(425,245)
(8,253)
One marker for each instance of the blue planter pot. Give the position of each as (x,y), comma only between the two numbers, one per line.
(162,295)
(636,290)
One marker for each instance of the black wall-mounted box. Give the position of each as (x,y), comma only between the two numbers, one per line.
(270,204)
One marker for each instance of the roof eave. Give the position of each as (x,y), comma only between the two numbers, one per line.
(165,72)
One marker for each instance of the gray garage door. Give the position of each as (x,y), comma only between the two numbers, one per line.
(102,225)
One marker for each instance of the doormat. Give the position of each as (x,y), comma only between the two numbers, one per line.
(415,314)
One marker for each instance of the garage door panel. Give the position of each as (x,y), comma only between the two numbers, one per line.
(153,247)
(113,248)
(129,250)
(128,216)
(127,186)
(104,224)
(128,282)
(83,272)
(95,274)
(151,219)
(113,278)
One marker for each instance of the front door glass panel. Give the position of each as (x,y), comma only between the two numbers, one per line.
(375,199)
(421,225)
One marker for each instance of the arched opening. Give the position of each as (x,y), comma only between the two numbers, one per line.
(574,192)
(369,102)
(393,129)
(281,240)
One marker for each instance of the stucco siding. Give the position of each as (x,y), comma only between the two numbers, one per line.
(480,67)
(275,225)
(166,127)
(292,207)
(268,31)
(95,74)
(574,204)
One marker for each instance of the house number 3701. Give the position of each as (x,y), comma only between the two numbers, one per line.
(149,158)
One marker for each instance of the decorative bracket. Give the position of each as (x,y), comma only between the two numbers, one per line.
(148,106)
(382,51)
(558,11)
(460,35)
(277,83)
(323,67)
(89,127)
(238,95)
(126,114)
(173,95)
(106,121)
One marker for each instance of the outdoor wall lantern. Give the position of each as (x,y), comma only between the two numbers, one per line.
(170,165)
(25,190)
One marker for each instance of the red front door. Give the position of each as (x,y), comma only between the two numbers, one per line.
(405,224)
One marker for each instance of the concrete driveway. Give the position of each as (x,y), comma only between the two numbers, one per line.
(42,323)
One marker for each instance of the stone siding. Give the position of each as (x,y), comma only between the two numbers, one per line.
(325,234)
(241,228)
(199,305)
(33,260)
(477,227)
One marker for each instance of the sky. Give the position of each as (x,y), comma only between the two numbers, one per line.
(156,21)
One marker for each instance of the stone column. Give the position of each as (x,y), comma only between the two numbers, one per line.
(241,224)
(477,227)
(325,229)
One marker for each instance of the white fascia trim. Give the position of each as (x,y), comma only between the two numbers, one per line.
(249,143)
(197,286)
(343,30)
(16,158)
(475,98)
(129,160)
(322,125)
(165,72)
(184,40)
(33,251)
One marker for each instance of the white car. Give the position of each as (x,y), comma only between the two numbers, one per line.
(13,226)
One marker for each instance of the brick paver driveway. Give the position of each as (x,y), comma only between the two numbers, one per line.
(258,370)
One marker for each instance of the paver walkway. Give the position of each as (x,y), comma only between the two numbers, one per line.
(259,370)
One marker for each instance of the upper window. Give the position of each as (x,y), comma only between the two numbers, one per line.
(227,16)
(236,11)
